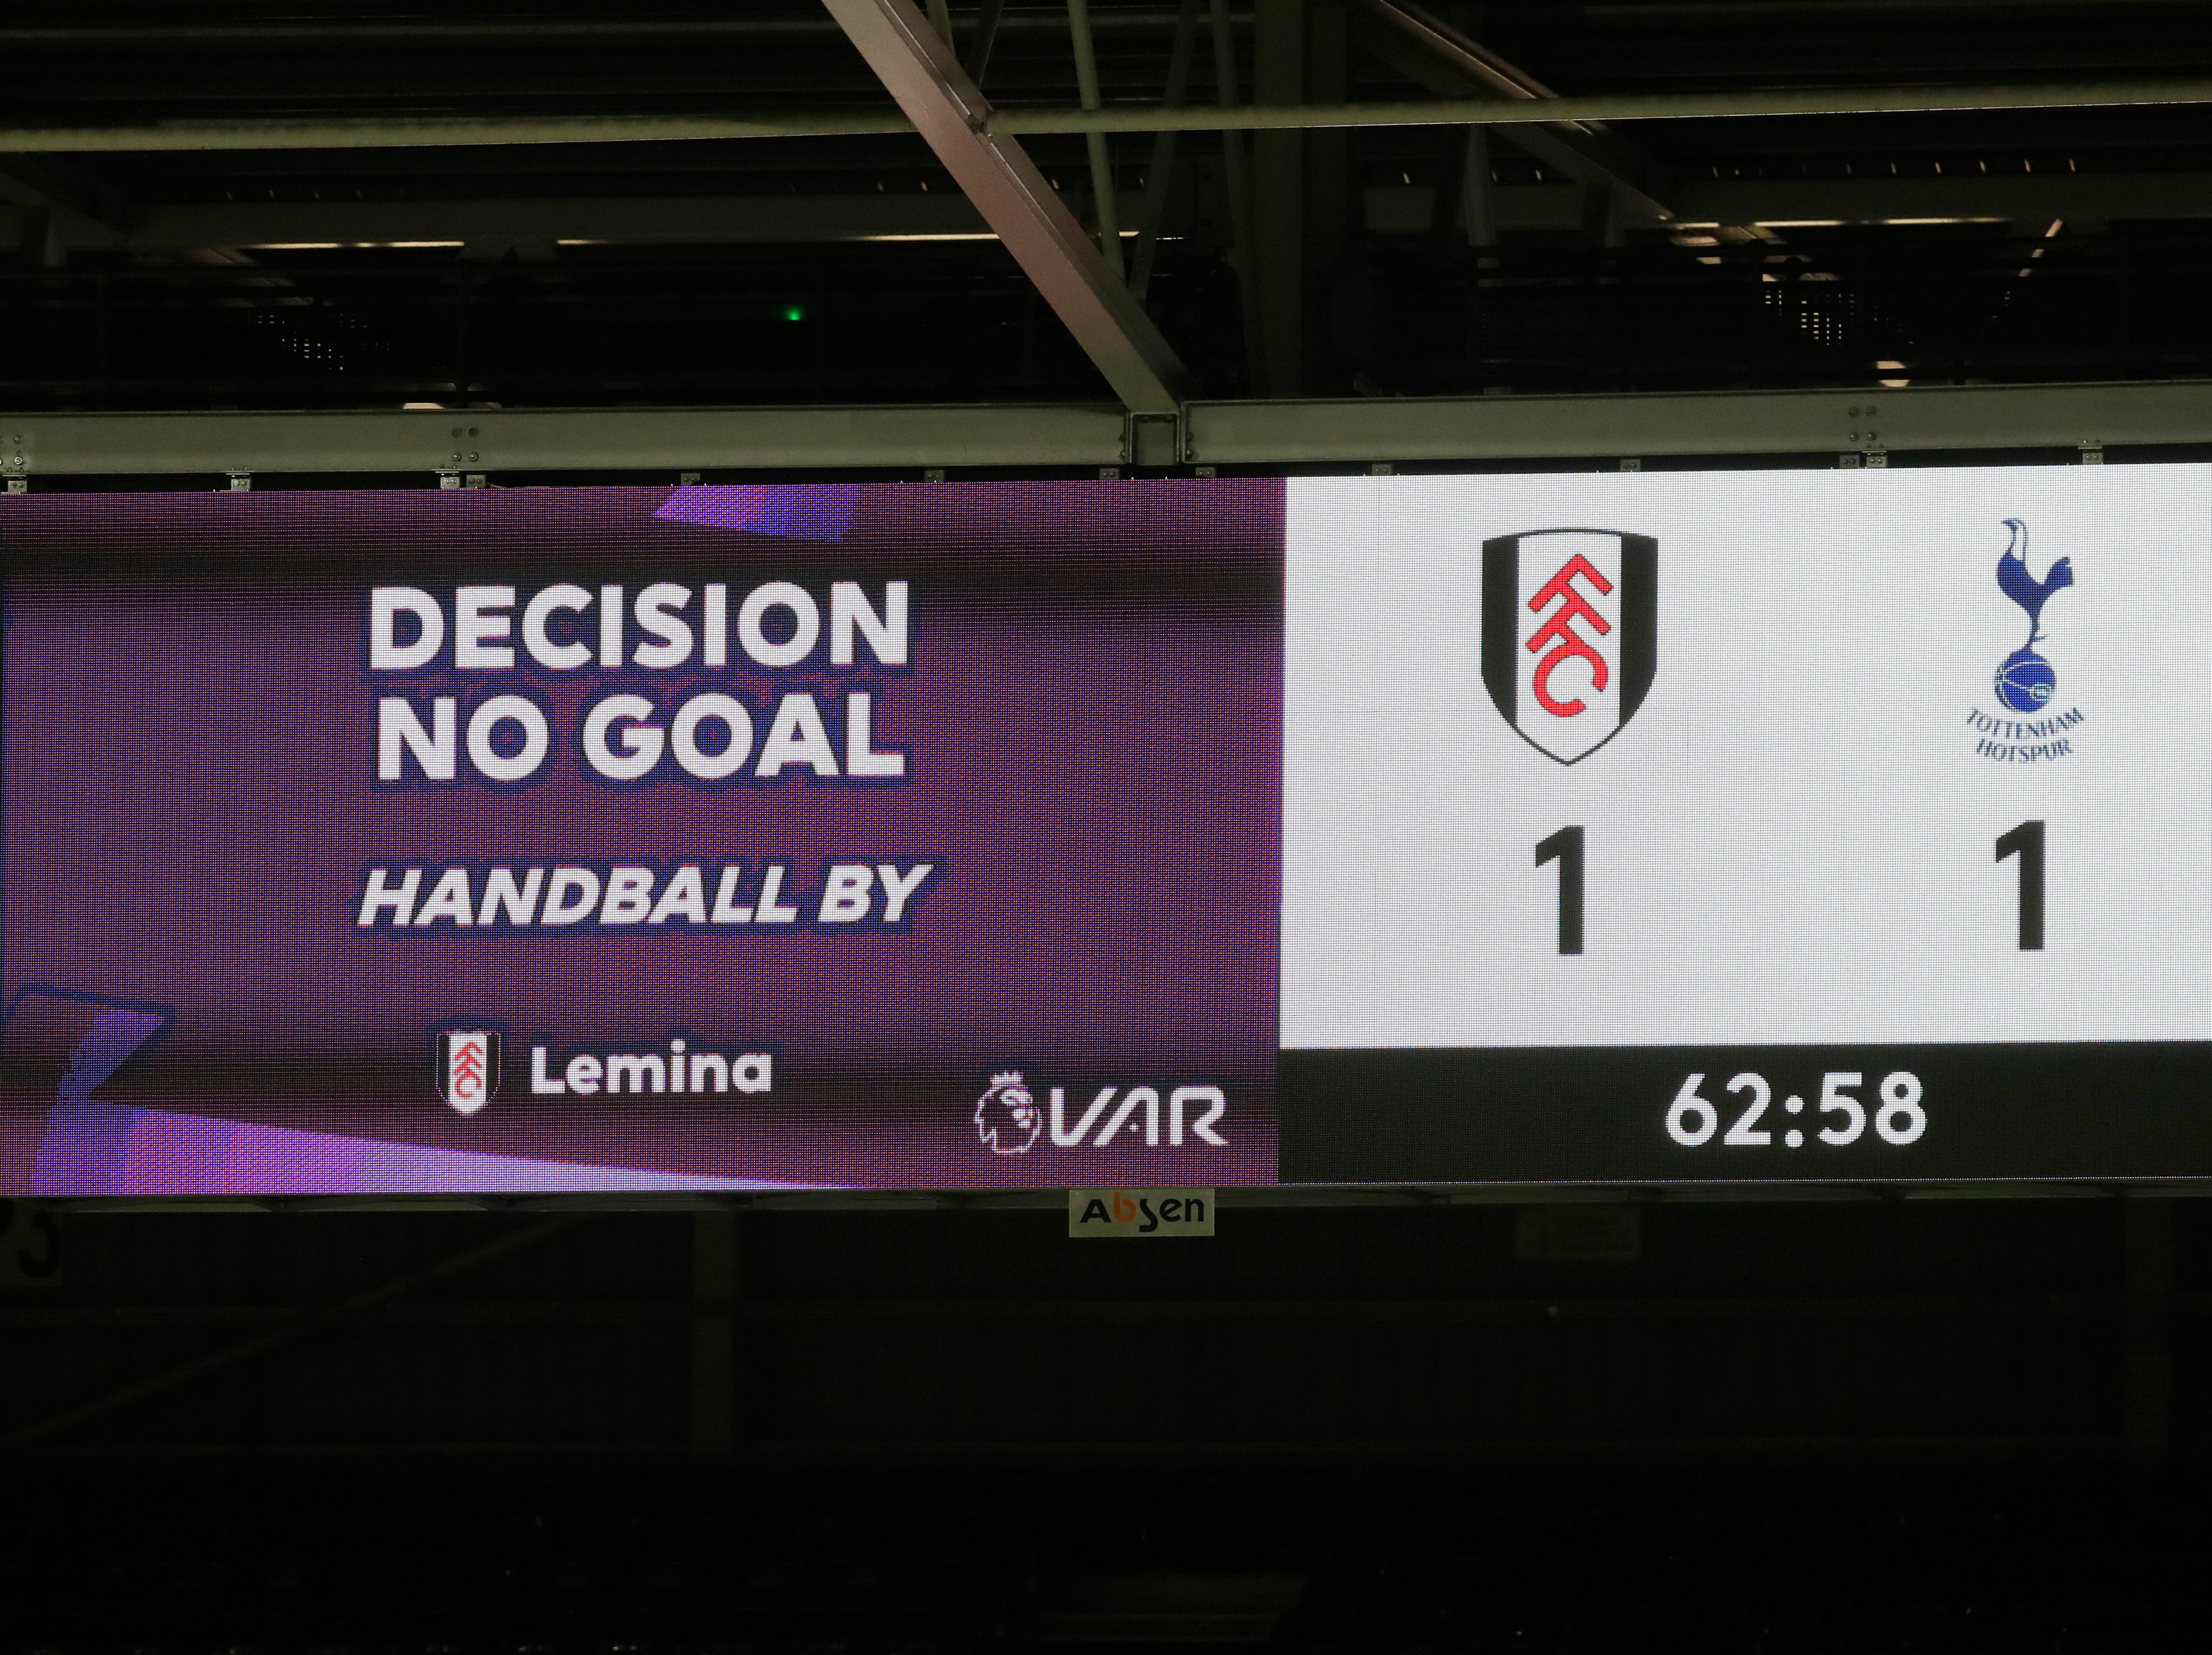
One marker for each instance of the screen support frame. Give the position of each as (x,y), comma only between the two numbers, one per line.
(455,446)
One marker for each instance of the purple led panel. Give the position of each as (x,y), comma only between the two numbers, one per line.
(873,835)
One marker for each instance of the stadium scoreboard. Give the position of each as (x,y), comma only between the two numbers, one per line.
(1555,827)
(1828,823)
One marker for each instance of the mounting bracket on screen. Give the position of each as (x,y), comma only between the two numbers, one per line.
(1152,442)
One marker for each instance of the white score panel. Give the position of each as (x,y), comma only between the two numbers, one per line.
(1792,836)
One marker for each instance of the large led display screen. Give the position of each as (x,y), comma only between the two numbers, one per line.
(1784,825)
(1565,826)
(572,839)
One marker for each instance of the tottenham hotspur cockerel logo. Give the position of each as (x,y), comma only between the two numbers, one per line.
(1570,634)
(1007,1118)
(2025,680)
(2033,726)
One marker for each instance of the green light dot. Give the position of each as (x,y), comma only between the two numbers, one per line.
(794,312)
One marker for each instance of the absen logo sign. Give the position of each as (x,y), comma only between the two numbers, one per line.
(1139,1212)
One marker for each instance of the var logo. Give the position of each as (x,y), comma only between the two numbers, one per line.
(1009,1120)
(1570,634)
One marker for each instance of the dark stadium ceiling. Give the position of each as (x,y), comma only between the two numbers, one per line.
(148,260)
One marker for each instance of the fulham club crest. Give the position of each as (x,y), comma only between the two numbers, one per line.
(468,1068)
(1570,634)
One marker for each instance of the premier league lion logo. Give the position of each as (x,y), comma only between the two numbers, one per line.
(1007,1118)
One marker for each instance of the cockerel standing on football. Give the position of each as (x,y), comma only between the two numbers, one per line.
(2023,588)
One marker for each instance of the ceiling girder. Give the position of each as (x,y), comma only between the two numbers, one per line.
(1564,150)
(2082,200)
(921,71)
(435,132)
(1357,432)
(1431,54)
(62,205)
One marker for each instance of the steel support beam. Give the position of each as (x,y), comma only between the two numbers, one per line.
(989,18)
(560,440)
(1328,150)
(442,132)
(1415,429)
(59,205)
(1159,175)
(772,25)
(1351,433)
(671,221)
(1478,203)
(1614,106)
(477,130)
(1277,283)
(1098,307)
(1429,52)
(2083,201)
(1237,184)
(65,186)
(1102,192)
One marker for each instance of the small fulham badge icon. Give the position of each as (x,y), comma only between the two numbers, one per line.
(468,1068)
(1570,634)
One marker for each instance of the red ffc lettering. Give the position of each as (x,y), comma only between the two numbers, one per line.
(1559,629)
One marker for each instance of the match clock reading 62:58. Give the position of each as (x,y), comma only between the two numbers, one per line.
(1836,1116)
